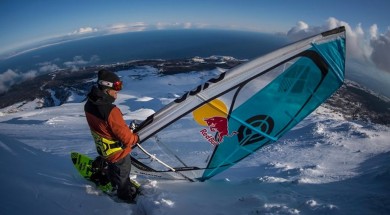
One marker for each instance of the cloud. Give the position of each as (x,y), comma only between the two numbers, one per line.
(301,30)
(179,25)
(187,25)
(368,52)
(47,67)
(380,45)
(131,27)
(11,77)
(78,61)
(118,28)
(371,48)
(141,26)
(29,75)
(160,25)
(7,79)
(85,30)
(175,25)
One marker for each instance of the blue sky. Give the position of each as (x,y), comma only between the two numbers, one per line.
(29,24)
(26,21)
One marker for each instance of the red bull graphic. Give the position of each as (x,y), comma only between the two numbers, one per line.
(214,116)
(208,137)
(218,124)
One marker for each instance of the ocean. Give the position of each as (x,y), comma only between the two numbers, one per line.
(164,44)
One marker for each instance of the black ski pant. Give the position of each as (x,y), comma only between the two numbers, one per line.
(119,173)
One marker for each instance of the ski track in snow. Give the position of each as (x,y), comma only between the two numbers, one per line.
(325,165)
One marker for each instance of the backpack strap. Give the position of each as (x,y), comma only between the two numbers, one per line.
(104,146)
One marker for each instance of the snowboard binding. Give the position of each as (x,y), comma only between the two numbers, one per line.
(99,175)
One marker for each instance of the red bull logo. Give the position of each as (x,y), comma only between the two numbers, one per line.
(214,116)
(220,125)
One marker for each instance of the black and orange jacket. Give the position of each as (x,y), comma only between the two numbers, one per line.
(106,120)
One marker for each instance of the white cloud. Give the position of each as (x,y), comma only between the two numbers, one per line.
(48,67)
(94,59)
(29,75)
(85,30)
(374,31)
(11,77)
(136,27)
(118,27)
(162,25)
(187,25)
(131,27)
(368,54)
(178,25)
(380,49)
(79,61)
(139,26)
(7,79)
(301,30)
(371,48)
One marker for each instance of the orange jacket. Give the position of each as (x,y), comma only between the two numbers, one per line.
(106,120)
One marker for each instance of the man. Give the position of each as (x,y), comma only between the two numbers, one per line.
(113,138)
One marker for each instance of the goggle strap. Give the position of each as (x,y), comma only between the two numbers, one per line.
(116,86)
(106,83)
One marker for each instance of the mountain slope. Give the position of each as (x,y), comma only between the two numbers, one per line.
(326,164)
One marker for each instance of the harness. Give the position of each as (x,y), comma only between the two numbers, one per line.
(104,146)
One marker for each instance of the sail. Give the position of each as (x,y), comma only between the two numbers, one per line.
(227,118)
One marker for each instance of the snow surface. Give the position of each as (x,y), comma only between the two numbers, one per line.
(325,165)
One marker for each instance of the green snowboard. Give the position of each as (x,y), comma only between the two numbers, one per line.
(83,164)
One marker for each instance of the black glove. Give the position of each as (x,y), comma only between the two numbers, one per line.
(133,125)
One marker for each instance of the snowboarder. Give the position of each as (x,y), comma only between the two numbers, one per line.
(113,138)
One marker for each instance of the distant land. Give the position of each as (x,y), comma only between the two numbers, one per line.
(352,101)
(62,81)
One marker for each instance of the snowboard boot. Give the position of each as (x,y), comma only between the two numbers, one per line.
(128,192)
(99,172)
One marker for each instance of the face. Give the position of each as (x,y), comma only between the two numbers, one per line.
(112,93)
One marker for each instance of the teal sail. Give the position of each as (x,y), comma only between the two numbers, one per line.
(229,117)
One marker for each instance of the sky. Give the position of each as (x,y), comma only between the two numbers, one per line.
(23,21)
(26,24)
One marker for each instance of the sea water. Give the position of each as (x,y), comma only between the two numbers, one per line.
(164,44)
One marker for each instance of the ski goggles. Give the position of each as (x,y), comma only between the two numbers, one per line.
(117,85)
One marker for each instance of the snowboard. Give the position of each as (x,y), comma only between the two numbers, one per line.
(83,165)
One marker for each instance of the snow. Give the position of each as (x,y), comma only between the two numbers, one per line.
(325,165)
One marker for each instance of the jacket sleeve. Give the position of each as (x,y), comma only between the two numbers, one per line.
(120,129)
